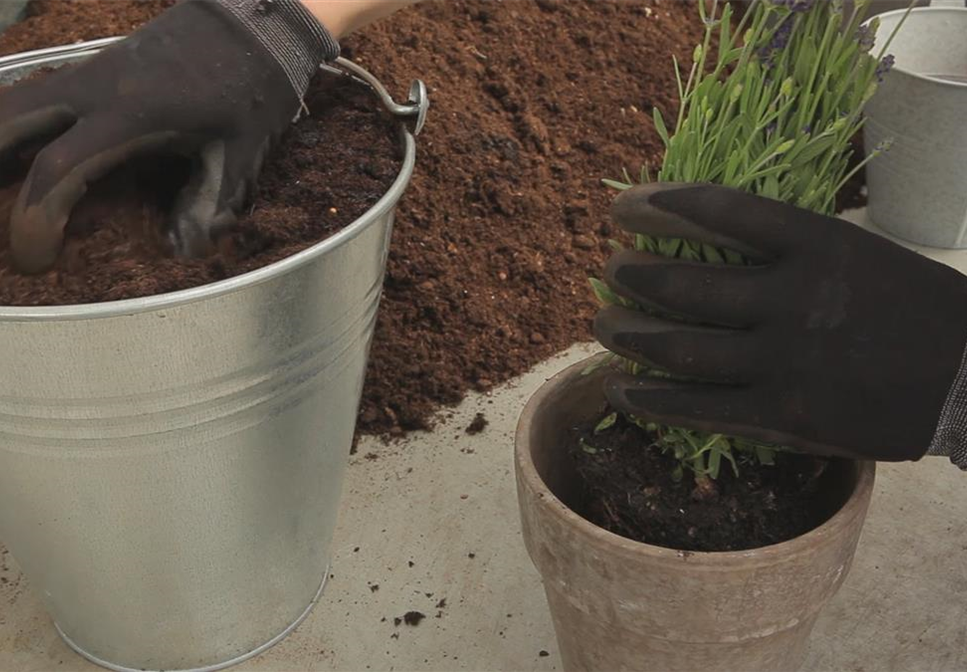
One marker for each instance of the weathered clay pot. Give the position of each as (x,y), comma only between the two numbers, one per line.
(622,605)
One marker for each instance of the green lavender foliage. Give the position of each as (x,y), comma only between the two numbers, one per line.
(770,110)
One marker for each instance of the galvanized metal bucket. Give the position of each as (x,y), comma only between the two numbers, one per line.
(170,467)
(11,11)
(918,190)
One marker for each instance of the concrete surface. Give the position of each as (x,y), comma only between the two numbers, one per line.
(445,502)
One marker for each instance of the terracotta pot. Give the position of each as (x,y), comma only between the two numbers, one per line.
(622,605)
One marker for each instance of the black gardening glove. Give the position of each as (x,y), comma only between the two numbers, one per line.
(217,79)
(836,341)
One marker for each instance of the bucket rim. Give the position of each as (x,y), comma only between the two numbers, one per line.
(898,68)
(169,300)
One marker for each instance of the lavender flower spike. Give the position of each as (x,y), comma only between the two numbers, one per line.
(866,37)
(799,6)
(885,66)
(778,41)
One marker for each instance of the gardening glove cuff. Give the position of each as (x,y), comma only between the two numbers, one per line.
(950,438)
(290,33)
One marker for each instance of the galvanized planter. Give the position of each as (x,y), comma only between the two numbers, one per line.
(918,190)
(11,11)
(170,467)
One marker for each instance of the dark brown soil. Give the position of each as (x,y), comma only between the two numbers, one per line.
(628,489)
(115,248)
(534,102)
(411,618)
(477,425)
(51,23)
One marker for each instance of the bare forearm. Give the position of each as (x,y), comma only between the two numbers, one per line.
(342,17)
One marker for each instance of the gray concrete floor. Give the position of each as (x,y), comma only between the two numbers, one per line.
(445,502)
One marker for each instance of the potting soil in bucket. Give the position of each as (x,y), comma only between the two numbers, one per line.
(171,465)
(116,247)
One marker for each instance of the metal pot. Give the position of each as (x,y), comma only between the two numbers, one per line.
(618,604)
(918,189)
(11,11)
(170,467)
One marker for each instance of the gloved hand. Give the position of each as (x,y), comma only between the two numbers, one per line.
(217,79)
(837,341)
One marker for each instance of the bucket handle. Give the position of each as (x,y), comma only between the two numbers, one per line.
(415,108)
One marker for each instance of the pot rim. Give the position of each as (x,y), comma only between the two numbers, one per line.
(592,534)
(157,302)
(898,68)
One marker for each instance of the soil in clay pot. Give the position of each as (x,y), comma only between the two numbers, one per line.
(627,488)
(115,246)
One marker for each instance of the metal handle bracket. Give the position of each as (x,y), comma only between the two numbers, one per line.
(416,107)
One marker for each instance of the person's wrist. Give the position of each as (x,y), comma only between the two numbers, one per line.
(342,17)
(950,437)
(292,34)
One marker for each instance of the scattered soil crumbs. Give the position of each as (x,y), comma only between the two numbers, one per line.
(411,618)
(478,425)
(629,490)
(115,247)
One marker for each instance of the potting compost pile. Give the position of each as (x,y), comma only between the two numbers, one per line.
(533,103)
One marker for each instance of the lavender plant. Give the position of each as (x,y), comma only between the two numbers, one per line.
(770,107)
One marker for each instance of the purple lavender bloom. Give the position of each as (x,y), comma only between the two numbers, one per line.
(866,38)
(799,6)
(778,42)
(807,129)
(781,37)
(885,66)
